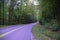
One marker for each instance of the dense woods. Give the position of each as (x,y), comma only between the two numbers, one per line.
(16,12)
(21,11)
(50,13)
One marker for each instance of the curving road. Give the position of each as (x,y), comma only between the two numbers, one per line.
(17,32)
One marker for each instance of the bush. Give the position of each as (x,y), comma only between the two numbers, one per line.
(42,21)
(58,38)
(54,25)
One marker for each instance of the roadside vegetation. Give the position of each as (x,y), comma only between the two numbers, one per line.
(41,33)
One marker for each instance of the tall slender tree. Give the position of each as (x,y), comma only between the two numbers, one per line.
(1,11)
(11,11)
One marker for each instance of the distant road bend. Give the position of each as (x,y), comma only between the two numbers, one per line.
(17,32)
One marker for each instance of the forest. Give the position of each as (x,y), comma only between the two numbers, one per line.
(16,12)
(22,11)
(46,12)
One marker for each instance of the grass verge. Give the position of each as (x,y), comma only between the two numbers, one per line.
(39,33)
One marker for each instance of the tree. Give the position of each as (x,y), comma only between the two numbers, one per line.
(50,12)
(11,11)
(1,11)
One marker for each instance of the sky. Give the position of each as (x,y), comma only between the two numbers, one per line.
(35,2)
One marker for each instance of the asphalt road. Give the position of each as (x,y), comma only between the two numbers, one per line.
(17,32)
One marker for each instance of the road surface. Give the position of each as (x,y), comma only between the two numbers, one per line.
(17,32)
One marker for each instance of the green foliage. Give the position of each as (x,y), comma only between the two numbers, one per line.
(22,14)
(54,25)
(58,38)
(40,32)
(48,14)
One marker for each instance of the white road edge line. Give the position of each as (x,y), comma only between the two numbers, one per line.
(2,35)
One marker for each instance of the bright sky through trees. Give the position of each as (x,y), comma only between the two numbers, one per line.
(35,2)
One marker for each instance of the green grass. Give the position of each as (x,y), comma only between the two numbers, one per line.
(3,26)
(39,33)
(50,34)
